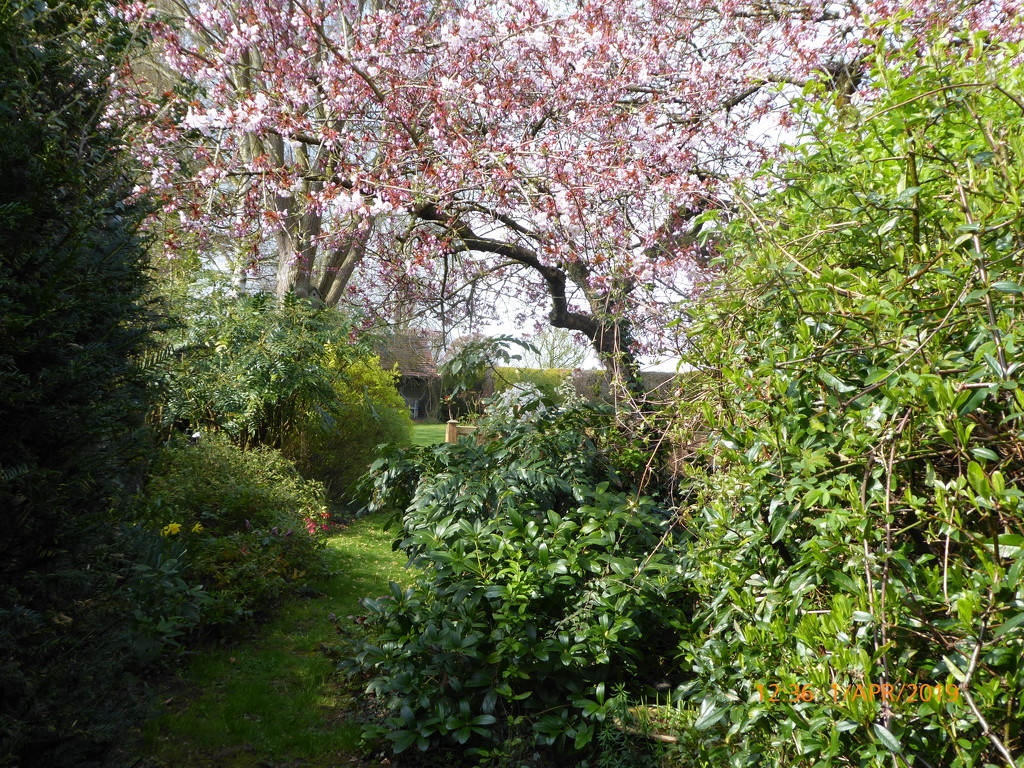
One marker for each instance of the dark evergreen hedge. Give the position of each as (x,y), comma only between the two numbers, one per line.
(72,283)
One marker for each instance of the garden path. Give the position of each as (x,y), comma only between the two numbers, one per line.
(272,699)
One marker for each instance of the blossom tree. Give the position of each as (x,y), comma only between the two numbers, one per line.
(572,151)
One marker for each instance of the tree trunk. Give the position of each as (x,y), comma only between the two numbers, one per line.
(338,269)
(299,229)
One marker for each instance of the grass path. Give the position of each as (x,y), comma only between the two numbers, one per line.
(273,699)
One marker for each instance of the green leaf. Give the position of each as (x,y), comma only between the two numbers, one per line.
(1016,621)
(836,383)
(584,735)
(885,736)
(403,739)
(709,715)
(954,670)
(889,225)
(876,376)
(985,453)
(1010,545)
(1007,286)
(976,398)
(976,477)
(907,195)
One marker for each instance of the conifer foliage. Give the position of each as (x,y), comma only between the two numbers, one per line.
(71,317)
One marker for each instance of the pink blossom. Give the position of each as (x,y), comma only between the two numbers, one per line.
(576,138)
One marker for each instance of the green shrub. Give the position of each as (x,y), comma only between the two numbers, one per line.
(164,605)
(282,375)
(540,586)
(247,522)
(341,440)
(251,367)
(862,525)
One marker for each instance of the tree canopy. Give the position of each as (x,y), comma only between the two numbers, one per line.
(572,152)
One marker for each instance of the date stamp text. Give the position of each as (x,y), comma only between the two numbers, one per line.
(908,692)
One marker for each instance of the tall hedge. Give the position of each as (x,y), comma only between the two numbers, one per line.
(858,556)
(71,287)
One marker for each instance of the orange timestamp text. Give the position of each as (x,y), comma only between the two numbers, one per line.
(908,692)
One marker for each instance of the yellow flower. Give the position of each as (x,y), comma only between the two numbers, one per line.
(171,529)
(197,528)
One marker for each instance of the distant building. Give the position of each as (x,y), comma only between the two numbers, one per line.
(419,382)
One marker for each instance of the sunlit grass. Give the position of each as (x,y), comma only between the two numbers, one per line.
(428,434)
(274,698)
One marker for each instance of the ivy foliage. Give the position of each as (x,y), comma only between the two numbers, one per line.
(859,515)
(540,586)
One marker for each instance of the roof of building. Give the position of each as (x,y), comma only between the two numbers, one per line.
(410,351)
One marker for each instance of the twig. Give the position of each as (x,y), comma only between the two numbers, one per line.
(983,276)
(986,730)
(886,709)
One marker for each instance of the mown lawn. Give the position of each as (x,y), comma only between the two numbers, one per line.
(428,434)
(273,699)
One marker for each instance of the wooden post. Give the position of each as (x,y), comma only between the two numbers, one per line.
(451,434)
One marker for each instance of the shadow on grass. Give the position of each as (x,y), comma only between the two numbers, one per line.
(273,699)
